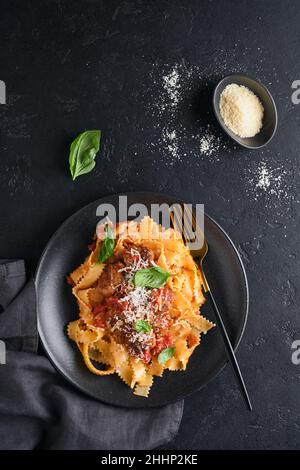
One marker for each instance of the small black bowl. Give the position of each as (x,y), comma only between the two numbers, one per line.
(270,112)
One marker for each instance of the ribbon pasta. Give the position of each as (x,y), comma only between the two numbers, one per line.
(103,351)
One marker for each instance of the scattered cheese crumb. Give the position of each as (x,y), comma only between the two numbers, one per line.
(264,177)
(209,143)
(241,110)
(172,86)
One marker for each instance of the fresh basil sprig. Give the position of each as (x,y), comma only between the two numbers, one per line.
(153,277)
(83,151)
(142,326)
(107,246)
(165,354)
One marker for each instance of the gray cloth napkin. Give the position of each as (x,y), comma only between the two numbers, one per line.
(39,409)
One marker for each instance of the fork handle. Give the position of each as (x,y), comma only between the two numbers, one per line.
(230,352)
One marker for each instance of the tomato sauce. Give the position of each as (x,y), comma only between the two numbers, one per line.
(119,315)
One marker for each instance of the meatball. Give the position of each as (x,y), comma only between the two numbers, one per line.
(132,252)
(110,279)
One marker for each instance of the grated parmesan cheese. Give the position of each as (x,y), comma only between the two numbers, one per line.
(138,297)
(137,306)
(241,110)
(136,303)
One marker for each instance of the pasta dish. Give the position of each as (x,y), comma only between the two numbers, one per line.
(139,293)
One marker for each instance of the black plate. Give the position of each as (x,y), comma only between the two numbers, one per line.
(56,306)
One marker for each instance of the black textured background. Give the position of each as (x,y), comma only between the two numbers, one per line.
(70,66)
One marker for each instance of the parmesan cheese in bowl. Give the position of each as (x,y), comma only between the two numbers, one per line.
(245,110)
(241,110)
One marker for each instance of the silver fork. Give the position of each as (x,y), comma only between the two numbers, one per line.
(189,229)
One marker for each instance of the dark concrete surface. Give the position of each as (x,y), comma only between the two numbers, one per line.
(70,66)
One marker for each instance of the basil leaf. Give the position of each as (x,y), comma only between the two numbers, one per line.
(165,354)
(153,277)
(107,246)
(142,326)
(83,152)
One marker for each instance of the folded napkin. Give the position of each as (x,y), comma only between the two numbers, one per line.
(39,409)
